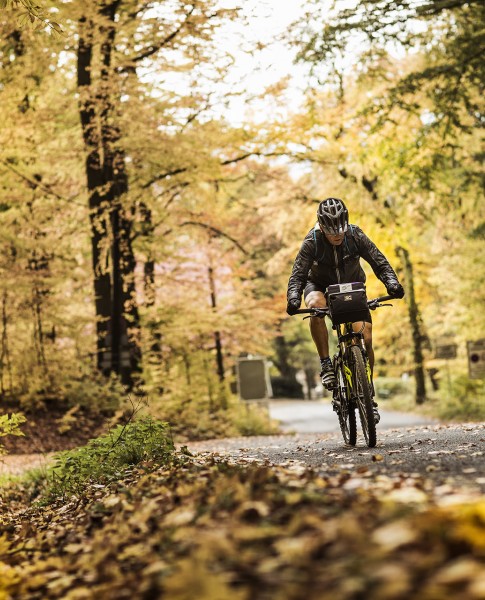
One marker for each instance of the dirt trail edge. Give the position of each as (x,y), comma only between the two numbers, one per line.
(451,454)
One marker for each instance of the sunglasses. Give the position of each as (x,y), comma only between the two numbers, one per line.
(328,232)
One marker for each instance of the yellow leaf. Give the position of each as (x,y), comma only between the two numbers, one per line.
(463,569)
(177,518)
(9,577)
(395,535)
(193,579)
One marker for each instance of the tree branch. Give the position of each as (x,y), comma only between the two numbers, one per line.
(217,232)
(156,47)
(36,184)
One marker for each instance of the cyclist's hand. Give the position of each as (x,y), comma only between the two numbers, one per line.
(395,290)
(292,306)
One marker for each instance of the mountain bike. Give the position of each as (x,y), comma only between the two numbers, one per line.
(354,386)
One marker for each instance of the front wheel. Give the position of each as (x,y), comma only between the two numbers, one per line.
(344,407)
(363,394)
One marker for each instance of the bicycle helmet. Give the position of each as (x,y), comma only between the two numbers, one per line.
(333,216)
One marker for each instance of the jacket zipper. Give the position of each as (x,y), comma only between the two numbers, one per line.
(336,263)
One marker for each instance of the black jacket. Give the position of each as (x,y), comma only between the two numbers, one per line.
(322,263)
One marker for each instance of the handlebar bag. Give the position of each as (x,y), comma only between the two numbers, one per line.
(347,302)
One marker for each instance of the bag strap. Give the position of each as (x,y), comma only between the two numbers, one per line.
(318,255)
(352,239)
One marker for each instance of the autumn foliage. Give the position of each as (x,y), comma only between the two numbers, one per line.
(183,527)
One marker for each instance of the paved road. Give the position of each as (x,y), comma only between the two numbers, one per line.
(318,417)
(444,455)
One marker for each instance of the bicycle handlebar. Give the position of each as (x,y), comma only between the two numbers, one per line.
(322,312)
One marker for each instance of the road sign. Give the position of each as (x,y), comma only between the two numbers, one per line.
(476,359)
(446,351)
(253,379)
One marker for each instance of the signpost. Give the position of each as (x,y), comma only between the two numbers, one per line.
(253,379)
(445,351)
(476,359)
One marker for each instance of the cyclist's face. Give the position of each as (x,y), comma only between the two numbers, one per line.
(335,240)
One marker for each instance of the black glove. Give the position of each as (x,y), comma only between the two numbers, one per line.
(293,305)
(395,289)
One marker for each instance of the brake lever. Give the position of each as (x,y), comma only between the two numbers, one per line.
(321,316)
(373,306)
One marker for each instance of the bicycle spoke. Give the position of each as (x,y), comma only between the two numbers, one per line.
(344,408)
(363,396)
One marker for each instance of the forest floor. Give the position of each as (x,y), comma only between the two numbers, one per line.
(282,517)
(54,430)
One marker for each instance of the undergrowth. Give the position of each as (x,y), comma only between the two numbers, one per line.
(197,420)
(105,459)
(459,399)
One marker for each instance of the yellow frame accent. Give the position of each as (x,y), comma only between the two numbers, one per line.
(348,375)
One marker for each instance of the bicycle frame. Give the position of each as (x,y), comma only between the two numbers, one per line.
(354,387)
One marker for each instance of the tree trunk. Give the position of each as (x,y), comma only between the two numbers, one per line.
(97,209)
(5,363)
(310,381)
(217,334)
(115,301)
(414,319)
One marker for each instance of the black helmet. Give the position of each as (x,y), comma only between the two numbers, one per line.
(333,216)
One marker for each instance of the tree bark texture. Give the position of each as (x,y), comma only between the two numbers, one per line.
(117,317)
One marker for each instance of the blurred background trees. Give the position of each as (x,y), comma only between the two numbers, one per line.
(147,238)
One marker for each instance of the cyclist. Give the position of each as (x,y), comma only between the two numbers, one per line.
(329,254)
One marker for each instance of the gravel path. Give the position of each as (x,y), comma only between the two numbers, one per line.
(448,454)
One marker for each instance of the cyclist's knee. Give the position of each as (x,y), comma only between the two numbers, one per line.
(316,300)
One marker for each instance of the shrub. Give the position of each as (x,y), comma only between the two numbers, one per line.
(106,458)
(387,387)
(196,418)
(253,419)
(467,401)
(10,425)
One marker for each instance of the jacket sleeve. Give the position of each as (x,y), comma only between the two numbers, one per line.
(301,267)
(379,263)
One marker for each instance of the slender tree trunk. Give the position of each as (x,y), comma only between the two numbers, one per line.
(149,266)
(149,279)
(310,381)
(38,328)
(186,360)
(217,334)
(414,319)
(210,390)
(5,352)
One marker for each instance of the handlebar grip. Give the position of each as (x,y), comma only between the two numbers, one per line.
(384,298)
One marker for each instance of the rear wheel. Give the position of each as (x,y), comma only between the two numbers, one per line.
(344,407)
(363,394)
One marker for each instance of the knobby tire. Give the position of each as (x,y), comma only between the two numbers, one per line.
(346,411)
(363,396)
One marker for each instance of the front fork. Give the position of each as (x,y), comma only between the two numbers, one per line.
(343,387)
(368,371)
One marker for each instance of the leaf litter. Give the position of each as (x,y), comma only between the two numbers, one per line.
(211,529)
